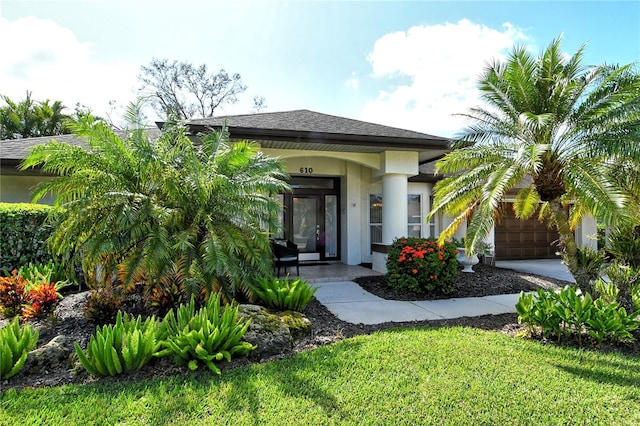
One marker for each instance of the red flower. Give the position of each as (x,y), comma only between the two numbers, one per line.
(415,271)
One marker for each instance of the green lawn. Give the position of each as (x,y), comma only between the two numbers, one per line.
(410,376)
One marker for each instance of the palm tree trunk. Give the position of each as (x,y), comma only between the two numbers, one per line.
(568,246)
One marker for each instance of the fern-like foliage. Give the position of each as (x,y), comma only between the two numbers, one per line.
(210,334)
(125,346)
(284,295)
(15,344)
(163,206)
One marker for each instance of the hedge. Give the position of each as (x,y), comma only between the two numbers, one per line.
(23,235)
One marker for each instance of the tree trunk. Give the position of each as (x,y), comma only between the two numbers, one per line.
(568,246)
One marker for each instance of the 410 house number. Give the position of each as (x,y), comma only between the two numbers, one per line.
(306,170)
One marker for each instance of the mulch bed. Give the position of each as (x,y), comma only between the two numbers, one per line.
(327,328)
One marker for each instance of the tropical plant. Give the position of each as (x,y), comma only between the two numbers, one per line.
(623,243)
(570,313)
(12,294)
(49,271)
(15,344)
(163,206)
(211,334)
(284,295)
(41,299)
(104,304)
(125,346)
(590,264)
(29,118)
(626,281)
(421,265)
(551,130)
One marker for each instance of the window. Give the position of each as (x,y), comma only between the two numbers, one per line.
(414,216)
(375,218)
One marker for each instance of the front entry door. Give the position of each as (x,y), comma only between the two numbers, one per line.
(306,223)
(311,218)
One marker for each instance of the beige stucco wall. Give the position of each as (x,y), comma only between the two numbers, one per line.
(19,189)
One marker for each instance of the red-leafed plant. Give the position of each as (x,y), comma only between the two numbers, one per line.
(42,300)
(12,294)
(421,265)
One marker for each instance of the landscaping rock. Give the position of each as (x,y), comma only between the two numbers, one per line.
(52,355)
(272,333)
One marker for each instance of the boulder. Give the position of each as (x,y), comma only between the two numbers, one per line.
(55,353)
(272,333)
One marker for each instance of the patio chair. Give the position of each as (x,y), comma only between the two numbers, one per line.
(285,254)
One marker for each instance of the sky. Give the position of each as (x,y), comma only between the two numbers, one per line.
(407,64)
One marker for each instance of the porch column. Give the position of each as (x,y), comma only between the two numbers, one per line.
(396,168)
(394,207)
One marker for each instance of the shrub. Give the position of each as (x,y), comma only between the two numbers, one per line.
(42,299)
(570,313)
(15,344)
(624,244)
(612,323)
(284,295)
(24,231)
(211,334)
(125,346)
(421,265)
(103,305)
(590,264)
(12,294)
(626,281)
(32,299)
(49,271)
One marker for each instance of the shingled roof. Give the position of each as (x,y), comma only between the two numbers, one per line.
(310,127)
(15,150)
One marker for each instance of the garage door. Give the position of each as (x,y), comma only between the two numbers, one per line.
(524,239)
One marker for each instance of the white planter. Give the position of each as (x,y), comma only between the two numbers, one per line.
(466,261)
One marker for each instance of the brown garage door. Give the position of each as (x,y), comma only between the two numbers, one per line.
(524,239)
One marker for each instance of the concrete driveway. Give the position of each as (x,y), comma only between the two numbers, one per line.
(546,267)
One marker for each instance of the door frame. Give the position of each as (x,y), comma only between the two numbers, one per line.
(301,190)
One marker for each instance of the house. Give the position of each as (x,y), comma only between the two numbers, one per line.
(356,185)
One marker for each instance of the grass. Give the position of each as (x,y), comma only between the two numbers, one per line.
(411,376)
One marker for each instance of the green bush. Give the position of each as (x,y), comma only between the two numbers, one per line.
(49,271)
(284,295)
(211,334)
(624,244)
(24,231)
(125,346)
(421,265)
(568,313)
(15,344)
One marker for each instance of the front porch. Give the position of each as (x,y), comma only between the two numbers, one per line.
(316,272)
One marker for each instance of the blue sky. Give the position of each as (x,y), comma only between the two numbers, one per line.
(405,64)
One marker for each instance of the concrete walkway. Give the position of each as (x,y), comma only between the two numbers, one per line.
(350,302)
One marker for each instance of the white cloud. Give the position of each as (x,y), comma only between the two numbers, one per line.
(353,82)
(52,63)
(431,73)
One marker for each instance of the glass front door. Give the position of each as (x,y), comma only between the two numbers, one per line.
(311,218)
(306,229)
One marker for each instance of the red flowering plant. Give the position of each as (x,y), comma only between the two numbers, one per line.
(421,265)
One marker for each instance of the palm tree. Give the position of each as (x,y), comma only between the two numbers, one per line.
(29,118)
(164,207)
(551,131)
